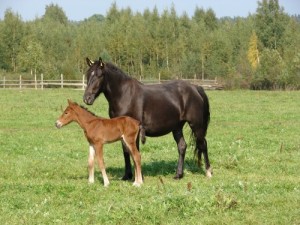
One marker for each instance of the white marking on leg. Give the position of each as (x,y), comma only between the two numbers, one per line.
(105,178)
(91,164)
(209,172)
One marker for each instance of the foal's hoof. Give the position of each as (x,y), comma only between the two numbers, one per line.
(178,176)
(136,184)
(127,177)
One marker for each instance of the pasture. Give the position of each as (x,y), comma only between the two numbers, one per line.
(253,144)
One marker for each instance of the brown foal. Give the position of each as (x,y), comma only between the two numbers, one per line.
(100,131)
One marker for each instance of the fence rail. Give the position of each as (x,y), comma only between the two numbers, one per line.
(40,83)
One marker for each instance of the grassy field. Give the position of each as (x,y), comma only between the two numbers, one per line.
(254,148)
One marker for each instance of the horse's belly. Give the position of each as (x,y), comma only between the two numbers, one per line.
(159,128)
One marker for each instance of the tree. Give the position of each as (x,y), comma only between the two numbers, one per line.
(270,23)
(31,57)
(269,74)
(12,34)
(252,54)
(55,13)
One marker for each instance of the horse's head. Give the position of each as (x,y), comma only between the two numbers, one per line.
(95,78)
(68,115)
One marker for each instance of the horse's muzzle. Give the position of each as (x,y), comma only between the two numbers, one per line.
(89,100)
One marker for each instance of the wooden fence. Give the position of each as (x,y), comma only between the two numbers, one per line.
(40,83)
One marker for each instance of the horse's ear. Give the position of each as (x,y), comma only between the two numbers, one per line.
(101,63)
(89,62)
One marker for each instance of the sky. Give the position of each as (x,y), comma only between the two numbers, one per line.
(77,10)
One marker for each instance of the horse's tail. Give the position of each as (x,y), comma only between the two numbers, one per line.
(206,119)
(142,134)
(206,112)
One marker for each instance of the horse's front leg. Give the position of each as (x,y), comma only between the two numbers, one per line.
(181,144)
(91,164)
(99,155)
(128,171)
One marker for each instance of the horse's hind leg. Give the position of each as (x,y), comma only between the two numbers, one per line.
(181,144)
(128,171)
(203,147)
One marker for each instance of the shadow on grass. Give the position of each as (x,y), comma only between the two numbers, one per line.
(159,168)
(155,168)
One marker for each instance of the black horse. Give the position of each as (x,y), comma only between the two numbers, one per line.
(161,108)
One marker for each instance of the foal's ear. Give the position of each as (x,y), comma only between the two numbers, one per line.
(101,63)
(70,102)
(89,62)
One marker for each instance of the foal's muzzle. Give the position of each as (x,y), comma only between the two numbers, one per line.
(58,124)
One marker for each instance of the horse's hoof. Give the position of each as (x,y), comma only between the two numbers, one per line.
(209,172)
(127,177)
(178,176)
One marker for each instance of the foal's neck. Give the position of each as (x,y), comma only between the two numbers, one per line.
(84,117)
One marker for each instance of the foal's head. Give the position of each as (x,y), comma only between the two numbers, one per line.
(68,115)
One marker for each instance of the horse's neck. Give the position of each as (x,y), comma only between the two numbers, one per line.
(114,84)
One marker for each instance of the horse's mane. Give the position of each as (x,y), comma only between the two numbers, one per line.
(116,70)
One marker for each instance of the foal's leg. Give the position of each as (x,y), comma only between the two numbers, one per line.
(181,144)
(131,144)
(99,155)
(137,165)
(91,164)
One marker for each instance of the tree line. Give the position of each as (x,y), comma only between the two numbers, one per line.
(261,51)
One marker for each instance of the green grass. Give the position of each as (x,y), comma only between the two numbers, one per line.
(254,148)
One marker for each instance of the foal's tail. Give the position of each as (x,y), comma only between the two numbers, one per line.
(142,134)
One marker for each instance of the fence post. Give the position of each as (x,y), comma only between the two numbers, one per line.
(83,78)
(159,77)
(35,84)
(61,80)
(20,82)
(42,81)
(4,82)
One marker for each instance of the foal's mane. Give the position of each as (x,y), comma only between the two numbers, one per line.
(86,109)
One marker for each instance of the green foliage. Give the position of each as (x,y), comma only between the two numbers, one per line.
(12,33)
(253,141)
(148,44)
(270,22)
